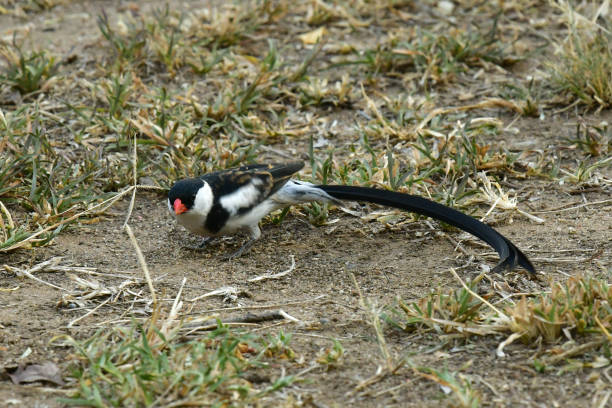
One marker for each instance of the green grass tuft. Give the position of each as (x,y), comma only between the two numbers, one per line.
(26,71)
(140,366)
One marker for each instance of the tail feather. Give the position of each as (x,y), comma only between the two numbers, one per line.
(509,254)
(299,192)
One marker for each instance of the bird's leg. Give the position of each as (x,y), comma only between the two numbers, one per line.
(255,233)
(205,242)
(241,251)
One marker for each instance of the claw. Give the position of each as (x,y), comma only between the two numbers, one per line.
(241,251)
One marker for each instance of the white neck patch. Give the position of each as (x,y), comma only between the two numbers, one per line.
(203,201)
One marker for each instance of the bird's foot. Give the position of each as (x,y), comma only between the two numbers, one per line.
(241,251)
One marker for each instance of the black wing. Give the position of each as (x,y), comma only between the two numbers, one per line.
(271,177)
(238,190)
(509,254)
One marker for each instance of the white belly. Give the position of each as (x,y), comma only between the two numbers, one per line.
(193,223)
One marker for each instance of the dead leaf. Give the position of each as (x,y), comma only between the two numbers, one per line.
(314,36)
(466,96)
(145,127)
(47,371)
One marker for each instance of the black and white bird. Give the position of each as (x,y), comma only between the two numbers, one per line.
(234,200)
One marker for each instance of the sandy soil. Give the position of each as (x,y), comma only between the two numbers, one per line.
(406,261)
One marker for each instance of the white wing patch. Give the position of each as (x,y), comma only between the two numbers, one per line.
(245,196)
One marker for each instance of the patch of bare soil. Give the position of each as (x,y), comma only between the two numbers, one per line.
(320,293)
(406,261)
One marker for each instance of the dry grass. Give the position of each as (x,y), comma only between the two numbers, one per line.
(572,311)
(362,94)
(584,68)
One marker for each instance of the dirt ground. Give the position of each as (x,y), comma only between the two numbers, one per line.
(407,261)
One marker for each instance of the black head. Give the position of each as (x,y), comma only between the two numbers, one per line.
(185,192)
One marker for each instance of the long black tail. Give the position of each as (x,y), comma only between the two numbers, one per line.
(509,254)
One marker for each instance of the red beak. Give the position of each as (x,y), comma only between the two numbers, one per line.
(179,207)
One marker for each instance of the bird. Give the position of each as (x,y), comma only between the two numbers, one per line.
(234,200)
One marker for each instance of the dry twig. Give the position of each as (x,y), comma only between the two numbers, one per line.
(275,275)
(143,264)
